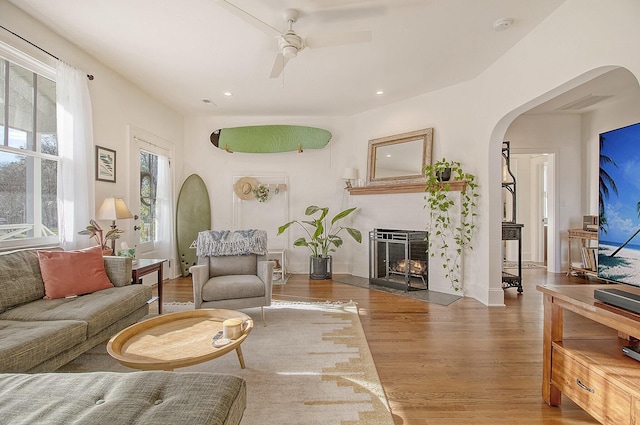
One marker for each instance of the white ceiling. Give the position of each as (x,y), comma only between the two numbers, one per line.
(182,52)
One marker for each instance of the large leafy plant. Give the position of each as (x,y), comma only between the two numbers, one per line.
(444,231)
(322,234)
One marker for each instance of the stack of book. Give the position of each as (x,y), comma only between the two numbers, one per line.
(589,258)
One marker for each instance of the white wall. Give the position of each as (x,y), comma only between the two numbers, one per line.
(313,175)
(116,103)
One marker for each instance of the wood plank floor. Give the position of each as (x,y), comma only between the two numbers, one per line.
(461,364)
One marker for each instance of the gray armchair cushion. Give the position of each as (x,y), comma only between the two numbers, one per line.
(233,287)
(233,264)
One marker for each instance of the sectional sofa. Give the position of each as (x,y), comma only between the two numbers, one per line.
(42,328)
(40,335)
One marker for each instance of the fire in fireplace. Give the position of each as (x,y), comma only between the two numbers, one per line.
(399,258)
(416,267)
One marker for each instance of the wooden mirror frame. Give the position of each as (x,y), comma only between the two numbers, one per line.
(424,135)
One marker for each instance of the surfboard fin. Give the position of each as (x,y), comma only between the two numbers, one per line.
(300,148)
(226,148)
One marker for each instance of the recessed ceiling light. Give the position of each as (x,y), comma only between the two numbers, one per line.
(502,24)
(379,92)
(228,93)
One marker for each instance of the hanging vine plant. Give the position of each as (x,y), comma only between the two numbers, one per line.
(443,231)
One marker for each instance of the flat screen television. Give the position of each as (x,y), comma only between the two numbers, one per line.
(619,206)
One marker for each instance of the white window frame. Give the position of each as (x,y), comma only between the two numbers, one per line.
(44,67)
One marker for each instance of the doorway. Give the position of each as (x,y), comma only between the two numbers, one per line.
(535,207)
(152,201)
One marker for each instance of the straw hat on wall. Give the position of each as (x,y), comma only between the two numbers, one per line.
(244,188)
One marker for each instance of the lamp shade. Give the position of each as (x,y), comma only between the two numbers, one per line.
(350,173)
(113,209)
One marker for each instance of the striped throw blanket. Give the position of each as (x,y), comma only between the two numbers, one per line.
(214,243)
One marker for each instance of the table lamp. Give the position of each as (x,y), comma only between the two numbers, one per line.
(113,209)
(349,174)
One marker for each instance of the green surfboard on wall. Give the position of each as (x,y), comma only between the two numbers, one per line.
(270,138)
(193,215)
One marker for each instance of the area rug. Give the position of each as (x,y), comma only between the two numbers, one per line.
(427,295)
(310,365)
(525,265)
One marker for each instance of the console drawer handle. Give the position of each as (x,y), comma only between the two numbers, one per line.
(583,386)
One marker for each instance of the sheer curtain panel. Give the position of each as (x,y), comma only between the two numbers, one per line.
(75,137)
(164,210)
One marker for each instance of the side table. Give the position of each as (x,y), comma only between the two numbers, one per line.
(145,266)
(589,253)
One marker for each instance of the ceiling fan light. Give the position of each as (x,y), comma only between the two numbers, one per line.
(289,52)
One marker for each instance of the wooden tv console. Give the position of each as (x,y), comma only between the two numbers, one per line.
(593,372)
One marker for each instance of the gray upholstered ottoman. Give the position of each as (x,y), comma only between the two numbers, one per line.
(151,397)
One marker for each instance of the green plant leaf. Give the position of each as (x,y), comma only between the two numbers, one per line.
(284,227)
(301,242)
(355,234)
(342,214)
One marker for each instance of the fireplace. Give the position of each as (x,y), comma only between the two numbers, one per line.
(399,259)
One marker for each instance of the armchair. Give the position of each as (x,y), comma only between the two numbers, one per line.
(232,282)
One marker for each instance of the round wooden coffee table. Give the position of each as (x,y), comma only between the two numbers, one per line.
(176,340)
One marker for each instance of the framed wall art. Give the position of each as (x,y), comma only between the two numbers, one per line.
(105,164)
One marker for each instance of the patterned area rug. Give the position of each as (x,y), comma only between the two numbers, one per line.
(310,365)
(422,295)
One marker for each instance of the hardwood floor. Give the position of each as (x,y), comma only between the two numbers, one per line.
(460,364)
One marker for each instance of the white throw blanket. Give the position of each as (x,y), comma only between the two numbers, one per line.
(214,243)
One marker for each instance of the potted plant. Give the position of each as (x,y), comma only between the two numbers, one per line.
(95,231)
(322,238)
(261,193)
(442,230)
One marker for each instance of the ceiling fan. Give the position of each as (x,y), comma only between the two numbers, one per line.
(289,42)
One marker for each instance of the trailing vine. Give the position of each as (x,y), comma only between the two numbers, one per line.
(442,232)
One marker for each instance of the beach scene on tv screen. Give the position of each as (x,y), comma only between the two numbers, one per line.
(619,209)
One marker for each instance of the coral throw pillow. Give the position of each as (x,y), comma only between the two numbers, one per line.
(68,273)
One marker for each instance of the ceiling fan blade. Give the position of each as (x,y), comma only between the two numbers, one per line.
(246,16)
(339,39)
(328,4)
(278,66)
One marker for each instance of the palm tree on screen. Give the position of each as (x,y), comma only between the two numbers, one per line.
(607,185)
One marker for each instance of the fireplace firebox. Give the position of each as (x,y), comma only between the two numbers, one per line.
(399,259)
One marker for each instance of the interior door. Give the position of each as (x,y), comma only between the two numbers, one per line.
(151,200)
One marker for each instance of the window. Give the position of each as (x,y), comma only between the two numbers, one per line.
(148,195)
(29,159)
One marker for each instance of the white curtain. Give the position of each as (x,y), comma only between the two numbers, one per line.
(164,210)
(75,144)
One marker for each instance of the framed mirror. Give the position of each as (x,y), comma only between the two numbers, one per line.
(399,159)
